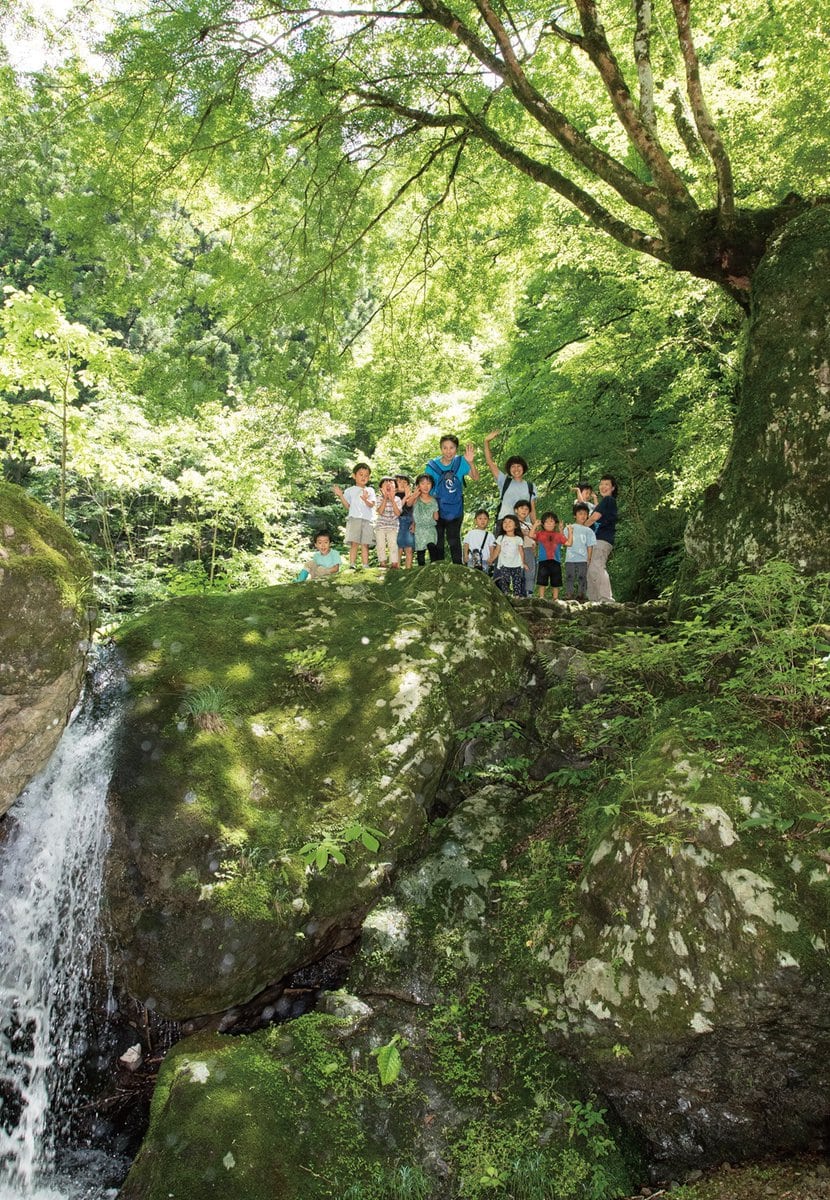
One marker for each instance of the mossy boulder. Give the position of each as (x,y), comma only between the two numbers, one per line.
(262,722)
(291,1113)
(479,1105)
(45,592)
(694,981)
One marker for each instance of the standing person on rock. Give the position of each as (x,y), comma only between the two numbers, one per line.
(603,521)
(511,482)
(447,472)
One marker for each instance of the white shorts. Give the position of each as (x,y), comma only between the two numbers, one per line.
(360,531)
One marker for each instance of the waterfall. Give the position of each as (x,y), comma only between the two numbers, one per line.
(51,874)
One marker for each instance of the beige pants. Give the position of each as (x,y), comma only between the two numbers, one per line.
(386,543)
(599,584)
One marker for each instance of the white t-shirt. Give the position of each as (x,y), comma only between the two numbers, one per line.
(356,506)
(473,539)
(510,552)
(584,537)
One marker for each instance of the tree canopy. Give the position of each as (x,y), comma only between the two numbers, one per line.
(280,237)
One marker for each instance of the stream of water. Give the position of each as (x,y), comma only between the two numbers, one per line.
(51,874)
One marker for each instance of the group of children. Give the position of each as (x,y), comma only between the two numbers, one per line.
(526,555)
(522,554)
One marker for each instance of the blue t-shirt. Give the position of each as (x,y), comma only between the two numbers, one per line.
(435,471)
(459,466)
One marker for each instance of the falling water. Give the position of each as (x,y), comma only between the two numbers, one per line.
(51,872)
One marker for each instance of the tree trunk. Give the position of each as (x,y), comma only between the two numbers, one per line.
(773,497)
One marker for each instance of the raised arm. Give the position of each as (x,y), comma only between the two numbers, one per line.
(338,491)
(488,454)
(469,454)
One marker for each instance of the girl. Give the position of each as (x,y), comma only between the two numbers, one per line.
(424,515)
(387,515)
(508,554)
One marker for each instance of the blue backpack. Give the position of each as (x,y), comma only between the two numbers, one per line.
(449,490)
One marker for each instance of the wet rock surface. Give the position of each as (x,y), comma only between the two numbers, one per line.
(45,593)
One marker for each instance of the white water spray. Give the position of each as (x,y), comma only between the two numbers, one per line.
(51,875)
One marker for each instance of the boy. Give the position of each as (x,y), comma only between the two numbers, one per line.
(585,494)
(580,541)
(522,511)
(359,502)
(447,473)
(324,562)
(550,540)
(478,542)
(387,516)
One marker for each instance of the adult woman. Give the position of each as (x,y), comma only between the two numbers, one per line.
(603,521)
(511,482)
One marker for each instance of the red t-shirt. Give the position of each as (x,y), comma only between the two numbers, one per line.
(550,539)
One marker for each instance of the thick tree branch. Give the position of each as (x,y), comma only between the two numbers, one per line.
(578,147)
(642,138)
(642,57)
(628,235)
(705,125)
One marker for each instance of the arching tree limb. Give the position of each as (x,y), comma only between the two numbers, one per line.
(705,125)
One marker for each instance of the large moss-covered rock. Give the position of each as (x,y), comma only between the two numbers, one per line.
(694,982)
(262,722)
(45,591)
(480,1105)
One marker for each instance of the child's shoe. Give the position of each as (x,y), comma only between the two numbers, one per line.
(303,575)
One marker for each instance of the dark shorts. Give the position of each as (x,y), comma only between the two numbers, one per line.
(550,572)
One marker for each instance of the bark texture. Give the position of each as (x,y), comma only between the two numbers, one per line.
(773,498)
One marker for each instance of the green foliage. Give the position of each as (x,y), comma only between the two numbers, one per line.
(389,1059)
(331,847)
(745,680)
(206,705)
(497,767)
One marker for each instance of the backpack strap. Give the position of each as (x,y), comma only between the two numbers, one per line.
(452,469)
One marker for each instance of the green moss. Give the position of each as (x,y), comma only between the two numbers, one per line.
(46,581)
(272,1116)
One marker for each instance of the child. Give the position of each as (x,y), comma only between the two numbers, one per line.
(359,502)
(478,542)
(447,473)
(387,517)
(523,510)
(424,517)
(406,538)
(580,540)
(551,540)
(324,562)
(585,494)
(509,555)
